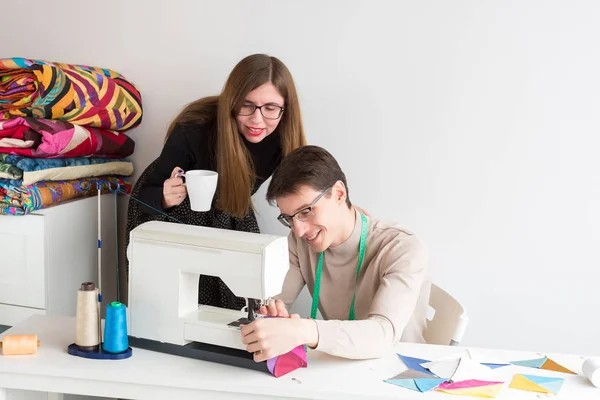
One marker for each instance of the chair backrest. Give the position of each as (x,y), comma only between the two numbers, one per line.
(449,321)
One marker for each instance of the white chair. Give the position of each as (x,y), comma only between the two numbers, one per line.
(449,321)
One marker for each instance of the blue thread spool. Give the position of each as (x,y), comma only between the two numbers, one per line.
(115,328)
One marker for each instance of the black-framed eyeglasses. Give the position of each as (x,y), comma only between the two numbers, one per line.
(302,215)
(269,111)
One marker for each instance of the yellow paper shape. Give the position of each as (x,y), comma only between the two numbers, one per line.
(522,383)
(553,366)
(487,391)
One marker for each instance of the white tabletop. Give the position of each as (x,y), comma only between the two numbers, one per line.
(150,374)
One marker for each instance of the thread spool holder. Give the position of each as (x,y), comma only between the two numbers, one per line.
(98,353)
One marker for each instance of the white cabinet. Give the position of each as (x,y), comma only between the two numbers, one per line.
(22,274)
(46,255)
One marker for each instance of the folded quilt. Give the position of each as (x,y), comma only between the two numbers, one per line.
(83,95)
(27,171)
(45,138)
(9,171)
(22,200)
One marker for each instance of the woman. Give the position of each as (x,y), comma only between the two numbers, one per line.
(243,134)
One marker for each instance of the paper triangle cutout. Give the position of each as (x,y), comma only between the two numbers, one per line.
(551,383)
(415,363)
(405,383)
(427,384)
(443,368)
(542,380)
(468,369)
(520,382)
(554,387)
(554,366)
(468,384)
(489,391)
(535,363)
(412,374)
(494,366)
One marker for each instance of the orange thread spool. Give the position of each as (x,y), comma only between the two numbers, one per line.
(17,345)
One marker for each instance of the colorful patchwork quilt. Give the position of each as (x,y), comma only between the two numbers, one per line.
(80,94)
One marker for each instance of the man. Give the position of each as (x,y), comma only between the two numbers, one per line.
(369,279)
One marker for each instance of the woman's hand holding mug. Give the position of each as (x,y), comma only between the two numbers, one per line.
(174,190)
(200,185)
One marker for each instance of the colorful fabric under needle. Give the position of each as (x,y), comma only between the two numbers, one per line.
(286,363)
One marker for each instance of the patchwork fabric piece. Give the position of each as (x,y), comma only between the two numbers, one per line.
(27,171)
(286,363)
(45,138)
(22,200)
(8,170)
(80,94)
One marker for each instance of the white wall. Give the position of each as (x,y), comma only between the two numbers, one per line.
(475,123)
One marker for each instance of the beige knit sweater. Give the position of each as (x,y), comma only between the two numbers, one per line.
(392,293)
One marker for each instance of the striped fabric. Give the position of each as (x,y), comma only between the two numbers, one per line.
(83,95)
(22,200)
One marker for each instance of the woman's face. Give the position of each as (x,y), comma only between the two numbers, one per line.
(255,126)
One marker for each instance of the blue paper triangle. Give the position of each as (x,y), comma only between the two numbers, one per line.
(536,363)
(414,363)
(554,387)
(550,383)
(405,383)
(540,380)
(426,384)
(494,366)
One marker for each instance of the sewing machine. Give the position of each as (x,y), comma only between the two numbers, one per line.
(165,263)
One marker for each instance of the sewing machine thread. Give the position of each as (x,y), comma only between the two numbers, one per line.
(86,318)
(115,328)
(19,344)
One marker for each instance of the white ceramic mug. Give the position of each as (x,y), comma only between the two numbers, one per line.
(201,186)
(591,369)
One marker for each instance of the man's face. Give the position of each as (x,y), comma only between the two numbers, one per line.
(316,214)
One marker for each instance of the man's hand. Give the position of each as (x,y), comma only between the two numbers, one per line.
(274,308)
(271,337)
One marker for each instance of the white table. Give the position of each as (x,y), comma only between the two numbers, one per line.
(151,375)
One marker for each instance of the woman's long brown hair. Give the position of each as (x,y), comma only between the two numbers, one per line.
(234,163)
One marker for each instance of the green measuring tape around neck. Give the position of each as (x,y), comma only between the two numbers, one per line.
(361,253)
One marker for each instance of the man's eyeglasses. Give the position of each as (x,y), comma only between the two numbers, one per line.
(302,215)
(269,111)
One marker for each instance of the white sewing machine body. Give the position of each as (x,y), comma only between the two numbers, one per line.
(165,263)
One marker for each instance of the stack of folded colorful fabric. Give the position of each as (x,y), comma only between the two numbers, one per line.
(62,127)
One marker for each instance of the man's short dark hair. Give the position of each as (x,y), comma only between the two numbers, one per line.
(311,166)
